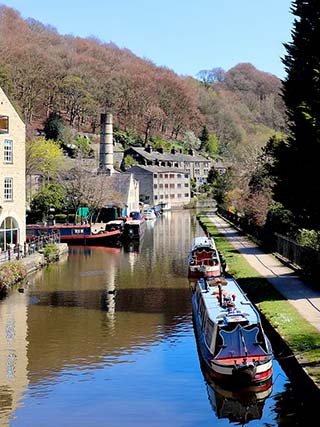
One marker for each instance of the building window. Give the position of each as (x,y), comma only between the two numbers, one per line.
(166,175)
(155,175)
(160,185)
(8,232)
(8,152)
(197,171)
(4,124)
(8,189)
(186,194)
(186,184)
(172,175)
(179,175)
(155,197)
(161,196)
(171,185)
(160,175)
(166,196)
(178,185)
(172,196)
(155,186)
(166,186)
(179,196)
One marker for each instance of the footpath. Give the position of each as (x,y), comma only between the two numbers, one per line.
(304,298)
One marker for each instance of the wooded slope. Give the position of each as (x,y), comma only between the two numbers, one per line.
(42,71)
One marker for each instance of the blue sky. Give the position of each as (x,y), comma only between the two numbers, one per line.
(185,36)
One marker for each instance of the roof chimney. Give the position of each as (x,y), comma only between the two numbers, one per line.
(160,150)
(106,144)
(173,151)
(148,148)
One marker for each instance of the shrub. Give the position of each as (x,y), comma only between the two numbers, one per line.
(50,252)
(11,272)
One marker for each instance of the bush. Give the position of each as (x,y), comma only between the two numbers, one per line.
(11,273)
(309,238)
(51,252)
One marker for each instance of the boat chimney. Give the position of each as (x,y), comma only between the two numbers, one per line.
(106,144)
(220,294)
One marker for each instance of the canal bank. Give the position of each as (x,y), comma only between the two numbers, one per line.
(16,270)
(38,260)
(303,343)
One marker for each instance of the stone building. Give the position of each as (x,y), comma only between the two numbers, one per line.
(162,184)
(195,165)
(12,176)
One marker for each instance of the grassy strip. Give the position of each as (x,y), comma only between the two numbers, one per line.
(301,337)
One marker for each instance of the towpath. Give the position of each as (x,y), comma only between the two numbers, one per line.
(305,299)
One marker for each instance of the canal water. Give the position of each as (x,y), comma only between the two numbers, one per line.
(104,338)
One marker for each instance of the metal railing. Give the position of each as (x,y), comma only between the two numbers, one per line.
(305,259)
(35,244)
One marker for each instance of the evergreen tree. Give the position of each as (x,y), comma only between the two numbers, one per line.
(297,178)
(53,127)
(204,138)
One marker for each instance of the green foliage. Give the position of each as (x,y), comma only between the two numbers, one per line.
(125,138)
(280,220)
(50,196)
(297,166)
(51,252)
(83,146)
(44,156)
(53,127)
(11,272)
(309,238)
(204,138)
(213,145)
(128,162)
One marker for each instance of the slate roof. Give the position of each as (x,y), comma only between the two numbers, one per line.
(165,156)
(157,169)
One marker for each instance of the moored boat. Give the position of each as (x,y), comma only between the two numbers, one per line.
(149,214)
(133,229)
(204,259)
(230,336)
(116,224)
(76,234)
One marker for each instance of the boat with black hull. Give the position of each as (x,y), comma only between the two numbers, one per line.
(230,336)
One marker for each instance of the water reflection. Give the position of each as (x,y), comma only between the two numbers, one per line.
(238,406)
(99,339)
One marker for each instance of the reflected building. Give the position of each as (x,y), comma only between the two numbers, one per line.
(13,353)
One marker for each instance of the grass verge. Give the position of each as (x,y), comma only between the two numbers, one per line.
(301,337)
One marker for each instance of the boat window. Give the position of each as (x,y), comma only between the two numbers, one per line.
(208,332)
(240,342)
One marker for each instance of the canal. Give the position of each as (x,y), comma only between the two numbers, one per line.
(104,337)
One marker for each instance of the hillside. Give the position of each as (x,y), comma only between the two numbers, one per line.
(42,71)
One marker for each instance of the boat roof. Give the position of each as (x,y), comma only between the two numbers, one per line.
(116,221)
(133,222)
(203,242)
(243,310)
